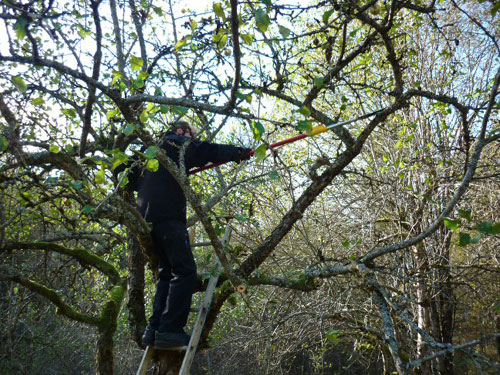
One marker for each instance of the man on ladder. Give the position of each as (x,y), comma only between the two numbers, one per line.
(162,202)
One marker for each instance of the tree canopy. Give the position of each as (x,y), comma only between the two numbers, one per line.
(371,247)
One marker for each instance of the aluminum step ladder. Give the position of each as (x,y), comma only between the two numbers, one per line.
(199,324)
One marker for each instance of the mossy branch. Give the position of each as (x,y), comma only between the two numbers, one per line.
(62,307)
(83,256)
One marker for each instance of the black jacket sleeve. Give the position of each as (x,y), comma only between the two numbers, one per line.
(198,153)
(201,153)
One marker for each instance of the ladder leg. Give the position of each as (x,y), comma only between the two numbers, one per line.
(146,358)
(202,314)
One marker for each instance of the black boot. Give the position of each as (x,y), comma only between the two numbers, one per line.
(166,340)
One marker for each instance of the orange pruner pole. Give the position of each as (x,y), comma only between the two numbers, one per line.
(315,131)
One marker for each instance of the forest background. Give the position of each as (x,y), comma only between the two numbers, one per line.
(371,248)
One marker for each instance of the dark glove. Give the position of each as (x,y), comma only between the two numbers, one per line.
(243,153)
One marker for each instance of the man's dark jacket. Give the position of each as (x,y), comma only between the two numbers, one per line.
(159,195)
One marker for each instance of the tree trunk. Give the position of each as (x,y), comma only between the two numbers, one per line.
(423,298)
(136,283)
(104,357)
(167,362)
(444,305)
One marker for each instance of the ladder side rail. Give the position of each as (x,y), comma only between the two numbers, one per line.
(202,314)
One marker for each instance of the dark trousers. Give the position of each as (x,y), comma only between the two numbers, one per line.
(177,278)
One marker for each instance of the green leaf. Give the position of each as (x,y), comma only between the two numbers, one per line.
(164,108)
(262,19)
(83,32)
(144,116)
(327,15)
(54,149)
(4,143)
(219,12)
(333,336)
(495,229)
(112,113)
(50,180)
(494,9)
(69,112)
(100,176)
(452,224)
(37,101)
(181,43)
(180,110)
(273,175)
(318,82)
(77,184)
(488,227)
(346,244)
(19,84)
(284,31)
(267,2)
(247,38)
(87,209)
(257,129)
(137,83)
(305,126)
(136,63)
(129,129)
(119,158)
(152,165)
(222,41)
(158,11)
(465,214)
(464,239)
(116,77)
(260,152)
(151,152)
(20,27)
(304,111)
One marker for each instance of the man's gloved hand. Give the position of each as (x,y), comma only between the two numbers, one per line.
(242,154)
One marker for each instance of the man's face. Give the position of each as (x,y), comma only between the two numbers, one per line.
(190,132)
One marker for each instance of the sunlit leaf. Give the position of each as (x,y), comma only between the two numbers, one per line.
(257,129)
(452,224)
(181,43)
(136,63)
(54,149)
(152,165)
(247,38)
(260,152)
(119,158)
(144,116)
(37,101)
(4,143)
(219,11)
(20,27)
(19,84)
(100,176)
